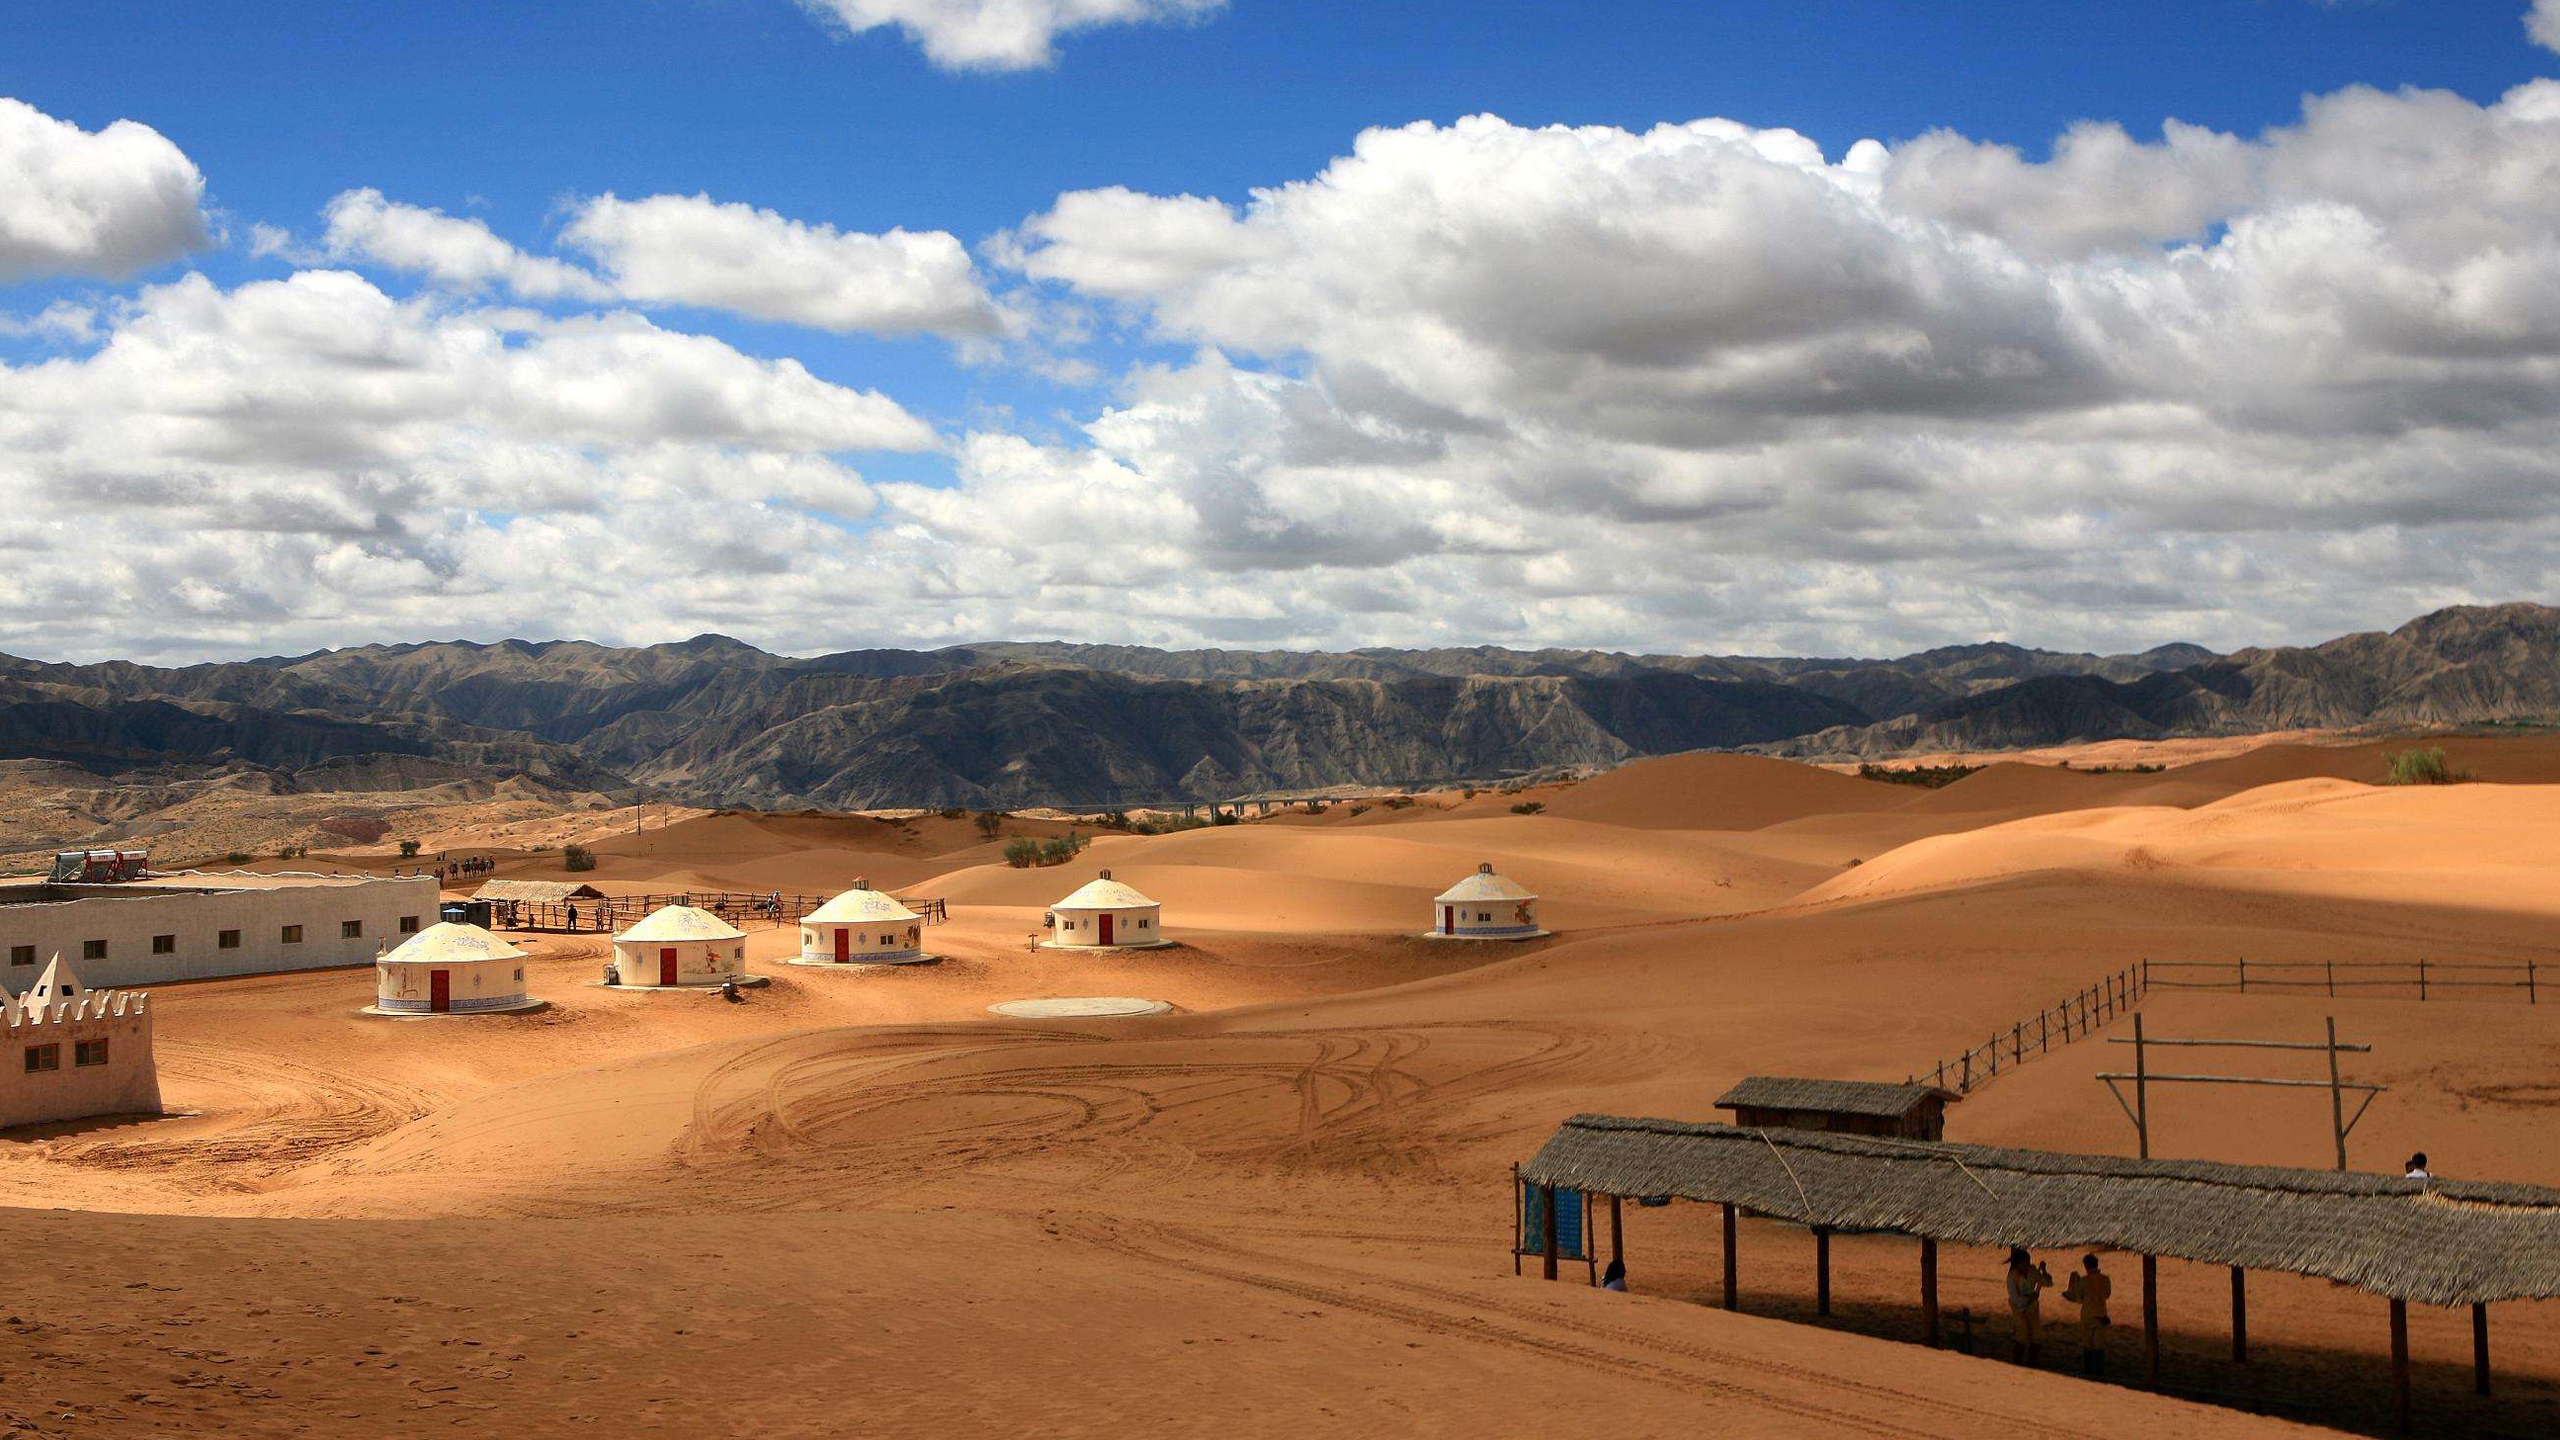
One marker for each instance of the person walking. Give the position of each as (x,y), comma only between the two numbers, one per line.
(2089,1289)
(2028,1280)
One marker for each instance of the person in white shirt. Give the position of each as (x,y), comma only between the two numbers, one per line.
(2417,1169)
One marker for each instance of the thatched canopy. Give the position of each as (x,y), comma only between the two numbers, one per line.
(545,892)
(1881,1099)
(2446,1242)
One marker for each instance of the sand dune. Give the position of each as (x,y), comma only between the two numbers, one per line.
(1281,1206)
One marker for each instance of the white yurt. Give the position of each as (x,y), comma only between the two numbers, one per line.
(862,926)
(450,969)
(675,946)
(1485,906)
(1107,913)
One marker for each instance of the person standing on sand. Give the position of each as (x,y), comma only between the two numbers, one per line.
(2417,1168)
(2028,1280)
(2089,1288)
(1615,1277)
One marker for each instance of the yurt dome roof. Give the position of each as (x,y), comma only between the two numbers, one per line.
(450,942)
(681,922)
(1103,894)
(861,904)
(1485,885)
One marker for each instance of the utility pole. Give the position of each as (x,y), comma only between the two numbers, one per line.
(2141,1092)
(2337,1097)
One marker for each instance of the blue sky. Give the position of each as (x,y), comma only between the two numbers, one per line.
(515,115)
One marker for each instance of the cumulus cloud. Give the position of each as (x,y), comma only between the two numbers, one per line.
(104,204)
(312,452)
(999,34)
(692,250)
(2542,23)
(676,250)
(365,227)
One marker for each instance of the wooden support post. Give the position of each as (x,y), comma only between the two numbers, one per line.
(2239,1316)
(1732,1276)
(1822,1277)
(2480,1347)
(1929,1288)
(2151,1318)
(1519,1220)
(2532,992)
(2332,967)
(2337,1097)
(1547,1207)
(2400,1362)
(2422,977)
(2244,974)
(1617,1234)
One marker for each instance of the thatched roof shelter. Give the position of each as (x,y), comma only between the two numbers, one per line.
(1881,1099)
(540,892)
(2439,1242)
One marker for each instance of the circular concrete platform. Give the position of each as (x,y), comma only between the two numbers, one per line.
(1079,1007)
(859,963)
(1462,935)
(1142,945)
(520,1008)
(689,987)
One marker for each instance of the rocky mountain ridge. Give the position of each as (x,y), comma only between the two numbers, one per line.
(715,721)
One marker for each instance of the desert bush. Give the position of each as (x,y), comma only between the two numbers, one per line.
(954,812)
(1530,807)
(990,823)
(2420,767)
(238,857)
(577,857)
(1021,852)
(1359,809)
(1398,802)
(1927,777)
(408,849)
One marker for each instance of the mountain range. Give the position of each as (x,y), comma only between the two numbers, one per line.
(714,721)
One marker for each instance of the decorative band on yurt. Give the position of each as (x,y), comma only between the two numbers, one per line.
(457,1007)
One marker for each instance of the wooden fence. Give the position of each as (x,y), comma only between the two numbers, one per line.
(615,912)
(2421,978)
(2055,1025)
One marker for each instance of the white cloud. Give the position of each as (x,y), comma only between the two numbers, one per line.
(104,204)
(692,250)
(62,323)
(999,34)
(2100,191)
(2542,23)
(295,458)
(460,253)
(676,250)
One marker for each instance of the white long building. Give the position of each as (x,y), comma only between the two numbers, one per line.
(195,925)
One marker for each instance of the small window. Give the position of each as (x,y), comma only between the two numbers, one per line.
(350,929)
(519,974)
(292,935)
(43,1057)
(408,924)
(89,1052)
(164,944)
(93,949)
(22,954)
(227,940)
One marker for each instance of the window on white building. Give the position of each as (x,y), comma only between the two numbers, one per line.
(89,1052)
(164,944)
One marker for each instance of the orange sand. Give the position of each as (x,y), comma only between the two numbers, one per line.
(858,1204)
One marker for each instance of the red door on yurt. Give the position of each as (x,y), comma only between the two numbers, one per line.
(1106,929)
(844,946)
(440,991)
(667,966)
(1448,919)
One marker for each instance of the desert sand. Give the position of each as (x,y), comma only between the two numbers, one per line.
(857,1203)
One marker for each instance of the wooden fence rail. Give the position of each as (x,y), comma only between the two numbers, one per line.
(2421,977)
(2060,1024)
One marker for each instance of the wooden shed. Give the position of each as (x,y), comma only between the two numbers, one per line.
(1853,1107)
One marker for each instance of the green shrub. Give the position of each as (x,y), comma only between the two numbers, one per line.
(1058,851)
(408,849)
(2420,767)
(1530,807)
(990,823)
(1927,777)
(577,857)
(953,812)
(1359,809)
(1021,852)
(238,857)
